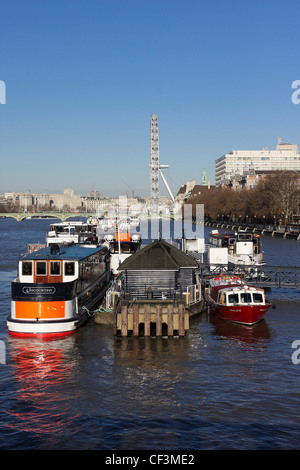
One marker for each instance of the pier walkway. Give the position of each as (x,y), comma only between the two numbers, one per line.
(262,276)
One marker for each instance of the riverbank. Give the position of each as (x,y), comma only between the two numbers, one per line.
(279,232)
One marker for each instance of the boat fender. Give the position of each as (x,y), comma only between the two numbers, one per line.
(273,306)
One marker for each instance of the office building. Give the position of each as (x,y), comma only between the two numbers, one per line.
(243,165)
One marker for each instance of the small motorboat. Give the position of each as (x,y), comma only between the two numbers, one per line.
(229,298)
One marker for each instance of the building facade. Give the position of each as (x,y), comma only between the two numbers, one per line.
(249,165)
(68,200)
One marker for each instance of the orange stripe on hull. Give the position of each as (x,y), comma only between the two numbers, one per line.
(42,310)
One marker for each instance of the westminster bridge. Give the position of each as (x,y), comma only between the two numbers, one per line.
(19,216)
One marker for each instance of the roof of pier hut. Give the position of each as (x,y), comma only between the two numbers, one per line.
(158,255)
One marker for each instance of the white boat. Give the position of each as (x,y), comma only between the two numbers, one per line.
(242,248)
(134,221)
(121,245)
(67,232)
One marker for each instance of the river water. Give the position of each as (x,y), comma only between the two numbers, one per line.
(223,386)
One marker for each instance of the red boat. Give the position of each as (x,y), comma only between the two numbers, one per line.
(230,299)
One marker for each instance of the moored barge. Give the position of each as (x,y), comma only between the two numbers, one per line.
(243,248)
(55,288)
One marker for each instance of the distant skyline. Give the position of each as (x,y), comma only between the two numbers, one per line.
(82,79)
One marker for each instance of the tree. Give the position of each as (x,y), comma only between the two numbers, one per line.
(279,194)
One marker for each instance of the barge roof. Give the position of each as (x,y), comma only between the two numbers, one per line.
(73,252)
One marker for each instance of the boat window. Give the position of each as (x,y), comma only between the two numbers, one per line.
(233,298)
(246,298)
(126,248)
(245,236)
(27,268)
(41,268)
(54,268)
(257,297)
(70,268)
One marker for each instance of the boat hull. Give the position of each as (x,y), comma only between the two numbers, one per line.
(45,328)
(39,316)
(246,314)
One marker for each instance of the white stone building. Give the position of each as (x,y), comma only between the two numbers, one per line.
(239,163)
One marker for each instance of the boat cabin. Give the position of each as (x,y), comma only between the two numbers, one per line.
(235,240)
(56,264)
(235,293)
(66,232)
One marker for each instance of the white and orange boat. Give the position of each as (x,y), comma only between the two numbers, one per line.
(55,288)
(121,245)
(230,299)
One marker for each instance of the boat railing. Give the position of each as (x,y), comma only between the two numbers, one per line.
(193,294)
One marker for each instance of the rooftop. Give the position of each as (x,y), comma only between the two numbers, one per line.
(158,255)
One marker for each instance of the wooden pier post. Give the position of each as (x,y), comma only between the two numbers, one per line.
(124,322)
(158,321)
(170,321)
(181,331)
(147,320)
(135,320)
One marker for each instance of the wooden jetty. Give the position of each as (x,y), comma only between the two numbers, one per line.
(160,292)
(151,318)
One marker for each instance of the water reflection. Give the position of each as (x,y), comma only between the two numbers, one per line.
(144,352)
(149,371)
(253,334)
(41,368)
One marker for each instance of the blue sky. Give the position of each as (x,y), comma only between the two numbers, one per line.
(84,76)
